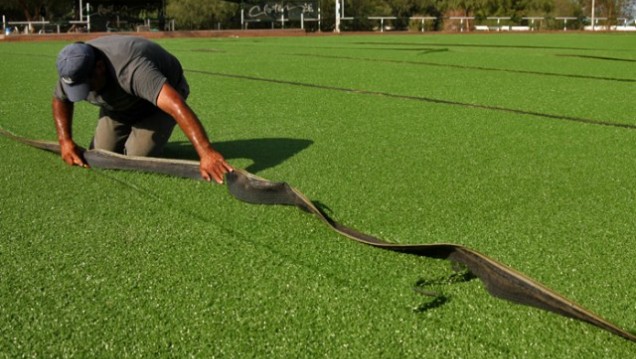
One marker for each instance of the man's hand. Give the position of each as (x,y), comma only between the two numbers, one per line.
(72,155)
(214,167)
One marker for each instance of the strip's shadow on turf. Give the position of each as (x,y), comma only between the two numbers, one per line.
(421,287)
(264,152)
(436,302)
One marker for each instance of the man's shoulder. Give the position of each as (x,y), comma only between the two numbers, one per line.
(119,41)
(122,48)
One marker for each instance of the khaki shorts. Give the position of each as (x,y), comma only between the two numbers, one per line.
(144,135)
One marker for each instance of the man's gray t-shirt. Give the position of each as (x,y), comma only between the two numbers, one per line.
(137,69)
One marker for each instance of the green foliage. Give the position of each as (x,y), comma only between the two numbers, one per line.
(201,14)
(35,9)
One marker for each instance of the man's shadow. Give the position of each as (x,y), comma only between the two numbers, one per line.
(264,152)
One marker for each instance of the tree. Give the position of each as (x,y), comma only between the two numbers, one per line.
(34,10)
(200,14)
(467,7)
(611,9)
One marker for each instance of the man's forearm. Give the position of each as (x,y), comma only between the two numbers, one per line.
(192,128)
(172,103)
(212,164)
(63,117)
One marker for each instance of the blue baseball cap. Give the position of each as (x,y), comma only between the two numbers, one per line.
(74,66)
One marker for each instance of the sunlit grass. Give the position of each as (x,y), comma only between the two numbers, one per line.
(491,143)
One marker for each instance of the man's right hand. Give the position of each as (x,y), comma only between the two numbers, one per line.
(71,154)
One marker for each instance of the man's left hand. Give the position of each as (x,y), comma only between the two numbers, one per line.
(214,167)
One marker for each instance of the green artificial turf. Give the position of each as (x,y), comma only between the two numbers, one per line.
(520,146)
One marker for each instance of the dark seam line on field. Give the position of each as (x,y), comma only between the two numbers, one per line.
(468,67)
(598,58)
(208,50)
(422,50)
(476,45)
(423,99)
(16,54)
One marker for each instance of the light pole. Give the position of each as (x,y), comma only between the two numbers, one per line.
(337,29)
(593,5)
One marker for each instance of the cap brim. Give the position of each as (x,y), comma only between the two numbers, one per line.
(76,92)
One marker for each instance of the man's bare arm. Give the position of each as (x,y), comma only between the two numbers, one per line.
(213,165)
(63,117)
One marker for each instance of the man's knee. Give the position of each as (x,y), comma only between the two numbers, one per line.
(142,142)
(149,136)
(110,135)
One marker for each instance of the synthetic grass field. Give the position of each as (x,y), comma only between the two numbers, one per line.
(521,146)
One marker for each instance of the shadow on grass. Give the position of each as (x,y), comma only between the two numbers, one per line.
(436,302)
(264,152)
(438,299)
